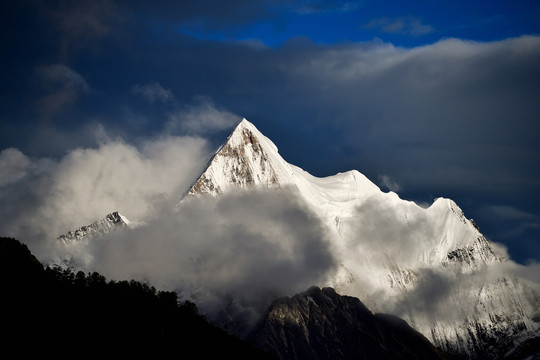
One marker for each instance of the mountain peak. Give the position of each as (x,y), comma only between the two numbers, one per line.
(246,134)
(247,159)
(245,123)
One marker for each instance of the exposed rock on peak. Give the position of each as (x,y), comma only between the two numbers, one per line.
(247,159)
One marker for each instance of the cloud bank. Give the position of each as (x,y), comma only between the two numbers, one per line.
(232,255)
(44,198)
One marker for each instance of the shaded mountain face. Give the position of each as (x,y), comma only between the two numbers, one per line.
(320,324)
(430,266)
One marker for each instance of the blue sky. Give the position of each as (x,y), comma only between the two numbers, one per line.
(402,23)
(425,98)
(410,23)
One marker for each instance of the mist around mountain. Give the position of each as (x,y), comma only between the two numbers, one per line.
(244,228)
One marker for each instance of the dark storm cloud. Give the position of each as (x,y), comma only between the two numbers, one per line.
(212,14)
(80,20)
(453,112)
(206,14)
(456,114)
(75,26)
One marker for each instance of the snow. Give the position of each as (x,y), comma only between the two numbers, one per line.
(124,219)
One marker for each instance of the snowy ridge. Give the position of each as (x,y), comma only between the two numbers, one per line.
(73,246)
(111,222)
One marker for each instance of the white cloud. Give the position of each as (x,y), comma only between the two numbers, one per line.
(202,117)
(389,183)
(153,92)
(13,166)
(86,184)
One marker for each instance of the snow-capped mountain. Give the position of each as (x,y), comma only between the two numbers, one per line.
(393,251)
(430,266)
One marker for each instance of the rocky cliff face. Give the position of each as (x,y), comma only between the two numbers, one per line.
(320,324)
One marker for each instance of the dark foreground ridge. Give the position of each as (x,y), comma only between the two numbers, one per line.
(56,312)
(321,324)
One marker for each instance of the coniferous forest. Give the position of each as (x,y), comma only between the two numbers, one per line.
(52,311)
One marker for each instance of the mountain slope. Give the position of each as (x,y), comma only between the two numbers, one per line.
(320,324)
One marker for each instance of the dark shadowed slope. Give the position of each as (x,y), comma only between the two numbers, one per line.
(321,324)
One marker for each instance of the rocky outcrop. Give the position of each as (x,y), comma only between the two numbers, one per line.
(321,324)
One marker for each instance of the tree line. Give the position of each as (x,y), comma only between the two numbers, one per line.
(54,311)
